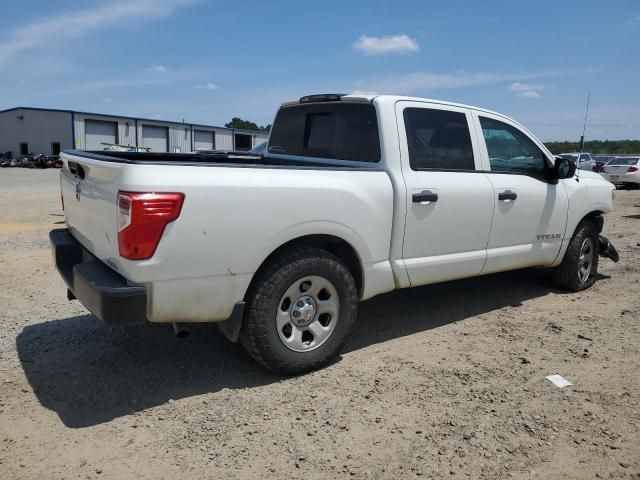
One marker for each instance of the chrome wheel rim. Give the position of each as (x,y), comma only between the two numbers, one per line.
(307,313)
(585,261)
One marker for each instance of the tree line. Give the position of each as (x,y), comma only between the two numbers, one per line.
(237,122)
(615,147)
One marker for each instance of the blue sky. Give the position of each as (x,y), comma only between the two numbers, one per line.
(207,60)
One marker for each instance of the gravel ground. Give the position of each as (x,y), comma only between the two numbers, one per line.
(445,381)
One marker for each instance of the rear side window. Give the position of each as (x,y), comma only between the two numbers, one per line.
(438,140)
(333,130)
(510,150)
(625,161)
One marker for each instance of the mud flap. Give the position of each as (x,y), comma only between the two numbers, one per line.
(231,326)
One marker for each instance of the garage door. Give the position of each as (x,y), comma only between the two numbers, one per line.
(243,142)
(97,132)
(156,138)
(203,140)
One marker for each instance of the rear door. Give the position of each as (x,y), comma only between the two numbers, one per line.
(530,214)
(449,199)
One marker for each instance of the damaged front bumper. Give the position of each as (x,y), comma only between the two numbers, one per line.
(607,249)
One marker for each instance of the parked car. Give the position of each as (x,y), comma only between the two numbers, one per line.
(601,161)
(586,162)
(355,196)
(623,171)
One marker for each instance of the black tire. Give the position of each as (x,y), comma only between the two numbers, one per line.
(566,275)
(259,335)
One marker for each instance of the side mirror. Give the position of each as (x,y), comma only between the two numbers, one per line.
(564,168)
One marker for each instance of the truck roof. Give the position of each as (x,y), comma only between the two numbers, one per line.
(366,97)
(398,98)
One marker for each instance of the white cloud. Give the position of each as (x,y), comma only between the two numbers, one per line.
(386,44)
(419,82)
(528,90)
(157,116)
(634,21)
(80,23)
(158,69)
(107,100)
(208,86)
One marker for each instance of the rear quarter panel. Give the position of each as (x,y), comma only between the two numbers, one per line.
(233,218)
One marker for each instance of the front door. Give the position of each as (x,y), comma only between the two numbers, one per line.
(530,213)
(449,199)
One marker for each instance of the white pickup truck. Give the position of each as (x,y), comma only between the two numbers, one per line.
(354,196)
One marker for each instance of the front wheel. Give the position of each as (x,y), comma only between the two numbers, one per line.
(579,266)
(301,310)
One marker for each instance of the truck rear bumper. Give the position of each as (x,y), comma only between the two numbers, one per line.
(104,292)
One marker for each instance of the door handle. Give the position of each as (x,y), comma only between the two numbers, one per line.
(507,195)
(425,196)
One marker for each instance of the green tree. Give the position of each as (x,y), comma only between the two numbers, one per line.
(237,122)
(613,147)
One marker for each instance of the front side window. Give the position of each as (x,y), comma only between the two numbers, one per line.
(510,150)
(438,140)
(333,130)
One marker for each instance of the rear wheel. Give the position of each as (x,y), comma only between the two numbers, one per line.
(579,266)
(301,309)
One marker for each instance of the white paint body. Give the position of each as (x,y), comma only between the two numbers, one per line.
(233,218)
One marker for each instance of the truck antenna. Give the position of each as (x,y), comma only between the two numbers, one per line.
(584,128)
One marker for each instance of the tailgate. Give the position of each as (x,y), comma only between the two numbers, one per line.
(89,191)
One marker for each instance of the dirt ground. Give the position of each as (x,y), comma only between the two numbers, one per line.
(445,381)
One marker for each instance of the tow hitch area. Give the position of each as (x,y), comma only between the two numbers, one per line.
(607,249)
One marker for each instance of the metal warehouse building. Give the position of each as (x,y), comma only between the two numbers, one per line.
(25,131)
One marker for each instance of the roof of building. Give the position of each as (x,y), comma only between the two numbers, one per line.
(133,118)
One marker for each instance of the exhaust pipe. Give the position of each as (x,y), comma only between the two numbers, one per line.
(180,330)
(607,249)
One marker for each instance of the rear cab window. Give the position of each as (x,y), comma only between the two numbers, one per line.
(328,130)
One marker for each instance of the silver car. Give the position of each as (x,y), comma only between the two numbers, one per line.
(586,162)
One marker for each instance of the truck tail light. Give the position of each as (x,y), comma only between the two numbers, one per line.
(142,218)
(632,169)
